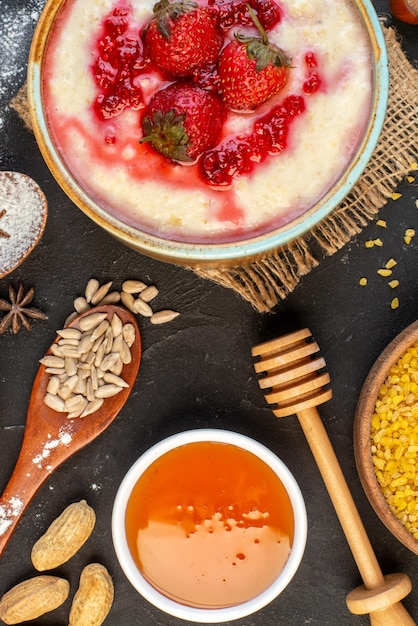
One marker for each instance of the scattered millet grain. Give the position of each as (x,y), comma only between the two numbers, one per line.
(363,281)
(370,243)
(394,304)
(381,223)
(396,196)
(384,272)
(394,439)
(409,234)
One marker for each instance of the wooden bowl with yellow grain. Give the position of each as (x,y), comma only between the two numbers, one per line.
(386,437)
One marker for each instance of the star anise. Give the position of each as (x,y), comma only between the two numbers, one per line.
(18,311)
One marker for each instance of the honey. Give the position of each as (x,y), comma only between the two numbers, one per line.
(209,525)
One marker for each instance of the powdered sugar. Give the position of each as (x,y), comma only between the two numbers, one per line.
(16,27)
(64,439)
(23,212)
(8,510)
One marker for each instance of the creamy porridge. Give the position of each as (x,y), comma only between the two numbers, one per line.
(330,78)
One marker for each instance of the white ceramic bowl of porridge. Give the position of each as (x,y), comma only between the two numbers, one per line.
(174,211)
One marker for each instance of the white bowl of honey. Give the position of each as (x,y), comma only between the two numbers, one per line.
(209,525)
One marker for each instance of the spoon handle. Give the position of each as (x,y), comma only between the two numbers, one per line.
(24,482)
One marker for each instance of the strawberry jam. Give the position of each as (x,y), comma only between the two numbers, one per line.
(120,60)
(240,155)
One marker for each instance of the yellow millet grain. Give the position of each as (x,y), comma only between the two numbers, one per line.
(409,234)
(394,439)
(384,272)
(390,264)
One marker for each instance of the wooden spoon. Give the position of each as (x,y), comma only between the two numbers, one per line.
(51,437)
(297,385)
(362,430)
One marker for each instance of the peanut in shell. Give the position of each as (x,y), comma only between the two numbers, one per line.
(94,597)
(32,598)
(64,537)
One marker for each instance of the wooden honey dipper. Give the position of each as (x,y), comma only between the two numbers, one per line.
(297,384)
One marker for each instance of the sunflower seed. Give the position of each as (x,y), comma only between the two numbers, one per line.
(100,330)
(81,386)
(111,298)
(108,340)
(70,318)
(133,286)
(161,317)
(107,391)
(54,402)
(56,350)
(125,354)
(85,343)
(68,342)
(128,333)
(100,293)
(64,392)
(75,403)
(114,380)
(142,307)
(71,382)
(52,361)
(81,305)
(149,293)
(89,322)
(69,333)
(94,379)
(56,371)
(100,354)
(70,351)
(92,406)
(53,385)
(89,391)
(109,361)
(117,367)
(116,325)
(128,300)
(71,366)
(91,288)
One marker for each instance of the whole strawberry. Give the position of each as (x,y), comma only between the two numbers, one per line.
(251,70)
(182,36)
(182,120)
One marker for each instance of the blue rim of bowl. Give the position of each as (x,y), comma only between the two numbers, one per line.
(205,615)
(229,253)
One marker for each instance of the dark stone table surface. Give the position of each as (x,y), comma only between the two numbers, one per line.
(197,372)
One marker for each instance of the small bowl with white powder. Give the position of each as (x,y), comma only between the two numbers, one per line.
(23,215)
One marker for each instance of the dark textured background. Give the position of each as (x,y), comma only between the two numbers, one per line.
(197,372)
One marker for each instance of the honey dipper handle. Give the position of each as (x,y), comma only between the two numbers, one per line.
(393,612)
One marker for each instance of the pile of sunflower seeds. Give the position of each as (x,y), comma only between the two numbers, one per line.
(85,364)
(135,295)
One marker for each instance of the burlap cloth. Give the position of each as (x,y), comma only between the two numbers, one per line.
(265,282)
